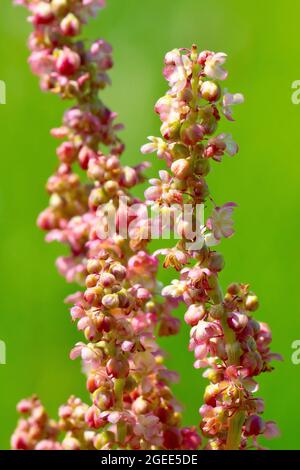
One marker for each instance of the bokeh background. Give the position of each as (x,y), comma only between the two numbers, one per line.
(262,41)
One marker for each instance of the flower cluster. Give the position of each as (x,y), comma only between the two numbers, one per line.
(225,338)
(119,310)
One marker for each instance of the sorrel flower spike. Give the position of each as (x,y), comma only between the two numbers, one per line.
(226,339)
(132,404)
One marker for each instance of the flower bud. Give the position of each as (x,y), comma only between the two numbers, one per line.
(68,62)
(252,303)
(129,177)
(93,418)
(59,7)
(202,167)
(210,91)
(201,189)
(107,280)
(85,155)
(184,230)
(91,280)
(111,188)
(254,426)
(140,406)
(70,443)
(117,367)
(93,295)
(179,185)
(94,381)
(112,163)
(213,375)
(195,313)
(95,171)
(233,289)
(93,266)
(170,131)
(215,261)
(97,197)
(191,134)
(119,271)
(110,301)
(124,299)
(237,321)
(180,151)
(66,152)
(181,168)
(43,13)
(70,25)
(103,398)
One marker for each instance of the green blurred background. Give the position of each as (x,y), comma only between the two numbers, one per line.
(261,39)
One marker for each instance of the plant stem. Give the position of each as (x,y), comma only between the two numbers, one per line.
(233,352)
(234,431)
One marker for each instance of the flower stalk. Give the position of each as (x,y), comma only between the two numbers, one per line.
(119,308)
(118,311)
(225,338)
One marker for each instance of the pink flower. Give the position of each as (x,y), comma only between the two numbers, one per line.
(88,353)
(100,53)
(194,314)
(175,257)
(142,264)
(161,190)
(170,109)
(149,428)
(221,222)
(204,331)
(219,145)
(157,145)
(213,419)
(213,66)
(175,290)
(178,69)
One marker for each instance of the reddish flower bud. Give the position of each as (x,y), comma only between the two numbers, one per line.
(191,134)
(103,398)
(210,91)
(68,62)
(70,25)
(42,13)
(118,367)
(254,426)
(110,301)
(181,168)
(66,152)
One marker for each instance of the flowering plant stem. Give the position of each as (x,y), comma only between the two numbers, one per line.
(132,406)
(120,310)
(224,336)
